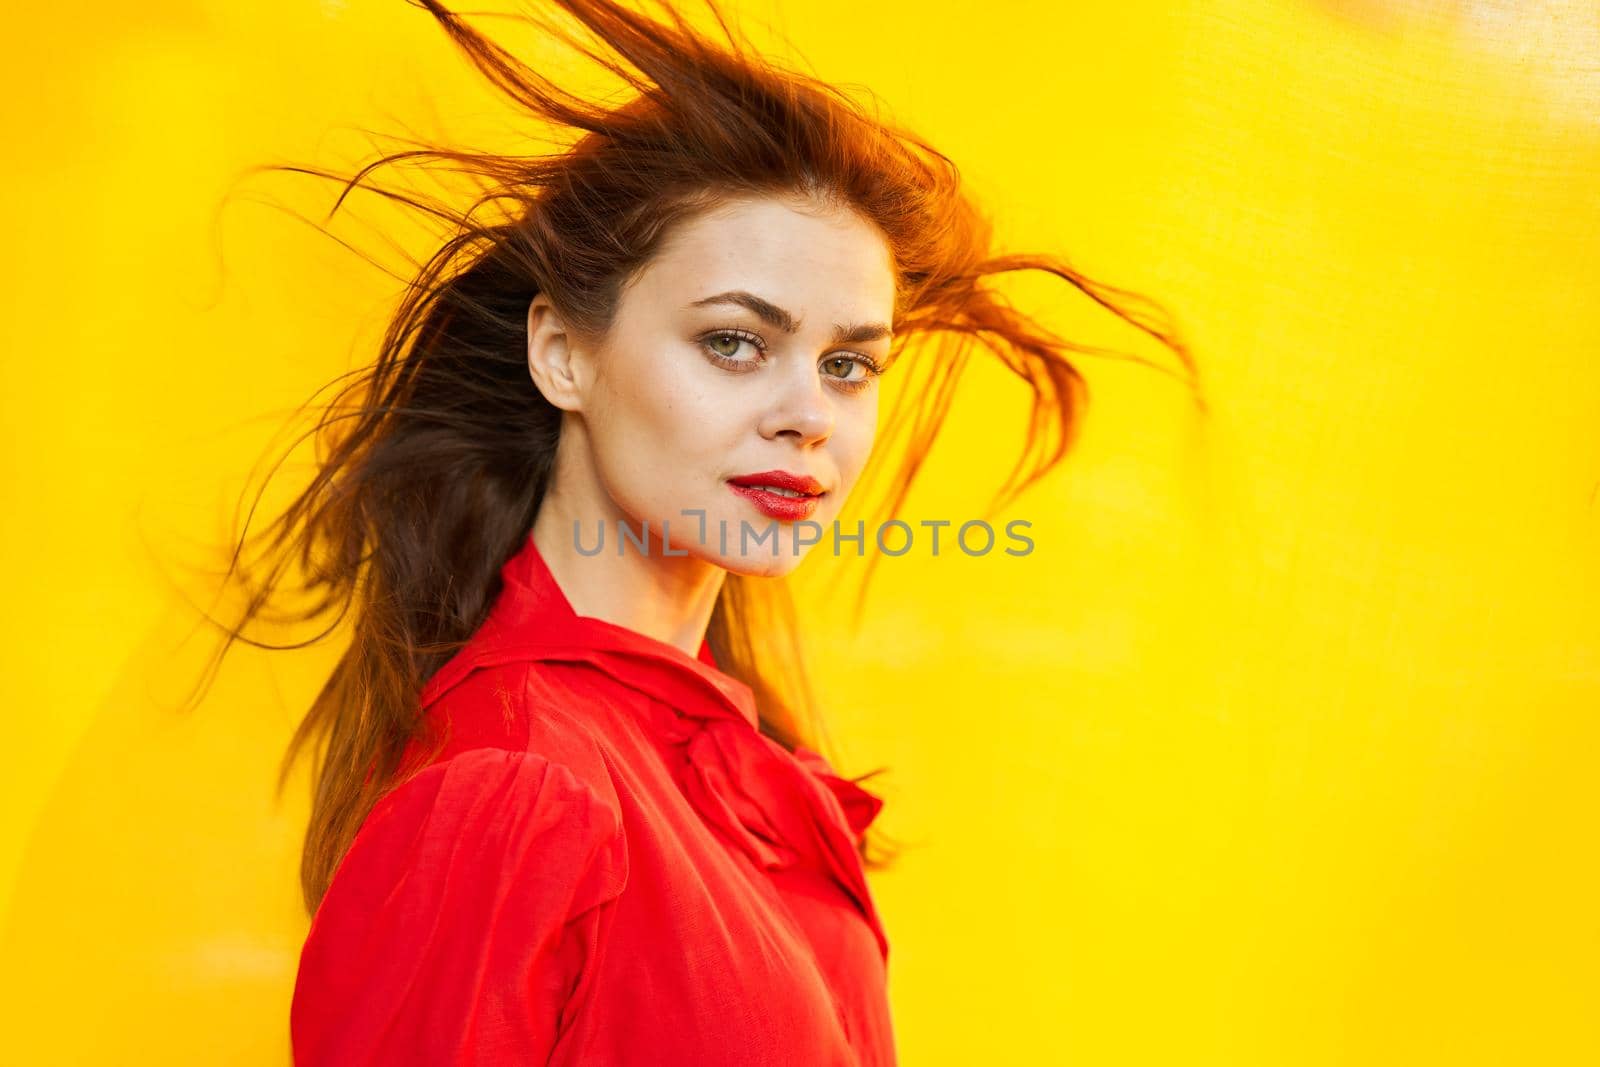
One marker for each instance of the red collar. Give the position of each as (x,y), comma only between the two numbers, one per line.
(532,619)
(780,808)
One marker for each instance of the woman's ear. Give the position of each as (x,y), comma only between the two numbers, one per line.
(552,363)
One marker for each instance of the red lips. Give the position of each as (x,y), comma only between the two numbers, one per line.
(800,483)
(776,505)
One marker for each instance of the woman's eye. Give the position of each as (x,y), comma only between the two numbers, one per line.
(725,344)
(723,347)
(839,368)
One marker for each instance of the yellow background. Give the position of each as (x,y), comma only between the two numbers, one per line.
(1279,749)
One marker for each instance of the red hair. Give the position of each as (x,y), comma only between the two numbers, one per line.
(434,458)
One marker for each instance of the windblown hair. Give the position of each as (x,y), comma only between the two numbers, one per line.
(433,459)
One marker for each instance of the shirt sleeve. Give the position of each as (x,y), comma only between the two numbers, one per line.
(457,927)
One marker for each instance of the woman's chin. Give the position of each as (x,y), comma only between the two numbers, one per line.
(760,564)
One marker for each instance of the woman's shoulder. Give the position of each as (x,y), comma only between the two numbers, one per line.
(490,816)
(514,708)
(502,791)
(443,936)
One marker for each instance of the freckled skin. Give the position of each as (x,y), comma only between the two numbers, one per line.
(655,425)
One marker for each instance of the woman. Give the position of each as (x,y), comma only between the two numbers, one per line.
(570,808)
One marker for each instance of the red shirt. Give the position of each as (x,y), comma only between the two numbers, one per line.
(607,864)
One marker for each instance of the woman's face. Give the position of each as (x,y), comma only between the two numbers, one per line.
(746,347)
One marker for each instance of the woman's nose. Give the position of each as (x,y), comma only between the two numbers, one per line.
(802,409)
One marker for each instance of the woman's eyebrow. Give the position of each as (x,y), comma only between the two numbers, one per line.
(778,317)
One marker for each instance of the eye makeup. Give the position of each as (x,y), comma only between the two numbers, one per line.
(709,340)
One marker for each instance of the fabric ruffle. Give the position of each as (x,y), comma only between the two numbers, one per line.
(780,809)
(860,805)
